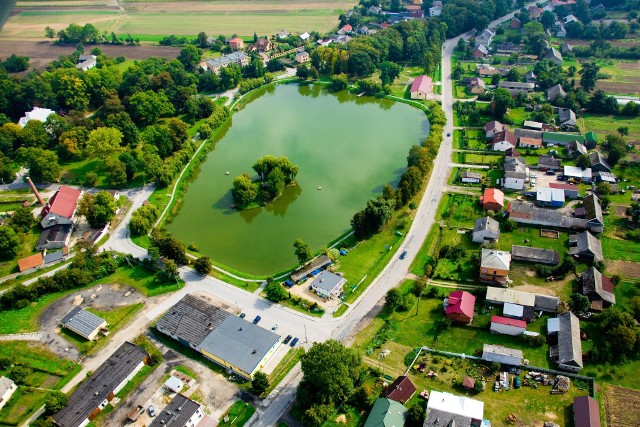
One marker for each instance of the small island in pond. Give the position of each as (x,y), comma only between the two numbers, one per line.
(274,174)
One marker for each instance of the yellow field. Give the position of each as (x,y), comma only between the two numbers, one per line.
(176,17)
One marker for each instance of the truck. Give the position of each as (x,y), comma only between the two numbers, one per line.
(137,411)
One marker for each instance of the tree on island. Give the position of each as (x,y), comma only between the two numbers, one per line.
(274,174)
(303,250)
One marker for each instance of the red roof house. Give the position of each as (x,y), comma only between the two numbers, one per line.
(420,87)
(585,412)
(459,306)
(400,390)
(492,200)
(61,207)
(236,43)
(30,262)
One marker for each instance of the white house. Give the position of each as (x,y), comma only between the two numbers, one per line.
(7,388)
(507,326)
(444,409)
(37,113)
(515,173)
(304,36)
(328,284)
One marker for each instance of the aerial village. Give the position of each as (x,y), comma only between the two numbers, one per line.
(516,303)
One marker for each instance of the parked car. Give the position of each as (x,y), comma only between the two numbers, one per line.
(403,255)
(294,342)
(550,172)
(533,175)
(242,315)
(448,133)
(274,327)
(287,339)
(152,411)
(533,182)
(561,178)
(256,320)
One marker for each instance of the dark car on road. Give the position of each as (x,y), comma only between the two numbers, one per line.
(287,339)
(256,320)
(152,411)
(294,342)
(242,315)
(403,255)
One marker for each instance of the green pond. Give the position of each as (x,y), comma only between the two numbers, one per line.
(347,148)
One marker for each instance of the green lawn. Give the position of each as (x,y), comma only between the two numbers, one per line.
(238,414)
(459,210)
(26,248)
(23,403)
(142,279)
(604,124)
(286,364)
(478,159)
(469,139)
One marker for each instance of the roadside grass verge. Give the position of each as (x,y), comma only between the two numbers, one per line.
(286,364)
(238,414)
(148,282)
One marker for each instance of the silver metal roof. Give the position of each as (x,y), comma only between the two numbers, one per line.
(82,321)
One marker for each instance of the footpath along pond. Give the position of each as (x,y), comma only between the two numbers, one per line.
(347,148)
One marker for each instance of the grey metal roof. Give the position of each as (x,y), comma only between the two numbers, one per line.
(514,167)
(240,343)
(56,233)
(597,160)
(569,344)
(549,161)
(223,61)
(528,133)
(555,91)
(489,224)
(516,85)
(539,255)
(567,115)
(305,270)
(592,208)
(177,413)
(95,389)
(494,349)
(327,281)
(546,303)
(53,257)
(439,418)
(592,283)
(192,319)
(471,175)
(82,321)
(587,244)
(5,384)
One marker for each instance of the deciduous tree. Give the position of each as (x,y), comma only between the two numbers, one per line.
(302,250)
(104,142)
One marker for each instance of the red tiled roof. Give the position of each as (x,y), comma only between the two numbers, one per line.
(400,390)
(493,195)
(385,25)
(64,202)
(563,186)
(607,284)
(585,412)
(468,382)
(347,27)
(30,262)
(509,322)
(461,302)
(505,135)
(235,40)
(493,125)
(422,84)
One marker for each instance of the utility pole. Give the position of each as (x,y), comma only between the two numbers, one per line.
(305,333)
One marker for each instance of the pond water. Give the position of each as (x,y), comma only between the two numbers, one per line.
(346,145)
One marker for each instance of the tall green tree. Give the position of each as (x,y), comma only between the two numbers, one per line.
(502,101)
(203,265)
(589,75)
(9,243)
(98,209)
(43,164)
(302,250)
(244,190)
(190,56)
(260,383)
(104,142)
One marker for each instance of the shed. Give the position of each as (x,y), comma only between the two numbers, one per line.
(83,323)
(500,354)
(468,383)
(400,390)
(586,412)
(173,384)
(386,412)
(507,326)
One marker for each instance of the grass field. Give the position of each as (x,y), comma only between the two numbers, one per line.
(238,414)
(177,17)
(603,124)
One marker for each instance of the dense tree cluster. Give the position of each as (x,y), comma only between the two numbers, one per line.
(98,209)
(274,174)
(142,220)
(618,336)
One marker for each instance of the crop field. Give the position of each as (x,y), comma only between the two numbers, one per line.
(620,414)
(604,124)
(141,18)
(624,76)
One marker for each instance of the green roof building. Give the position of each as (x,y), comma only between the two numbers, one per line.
(562,139)
(591,140)
(386,413)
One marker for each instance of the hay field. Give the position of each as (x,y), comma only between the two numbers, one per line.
(226,17)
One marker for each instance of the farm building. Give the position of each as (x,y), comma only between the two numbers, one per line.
(486,230)
(531,77)
(480,51)
(516,88)
(568,352)
(421,87)
(598,162)
(53,256)
(93,395)
(590,140)
(7,388)
(528,133)
(515,23)
(500,354)
(527,142)
(504,140)
(553,55)
(446,409)
(315,265)
(458,307)
(494,267)
(30,262)
(507,326)
(229,341)
(598,287)
(527,213)
(305,36)
(567,119)
(539,302)
(173,384)
(562,139)
(328,284)
(517,311)
(593,213)
(492,127)
(86,62)
(555,92)
(570,191)
(37,113)
(515,173)
(54,237)
(485,38)
(386,412)
(605,177)
(400,390)
(477,86)
(469,177)
(83,323)
(492,200)
(575,149)
(180,412)
(585,246)
(537,255)
(586,412)
(549,163)
(550,197)
(61,207)
(578,173)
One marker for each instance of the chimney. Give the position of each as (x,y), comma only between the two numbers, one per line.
(35,191)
